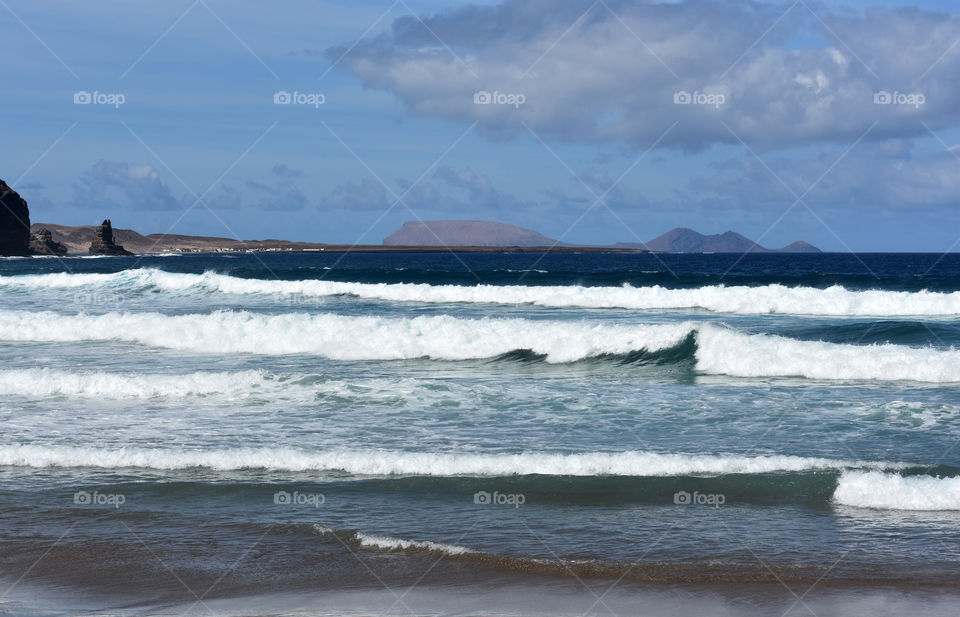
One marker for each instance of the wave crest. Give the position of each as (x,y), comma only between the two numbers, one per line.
(887,491)
(768,299)
(718,351)
(341,337)
(387,463)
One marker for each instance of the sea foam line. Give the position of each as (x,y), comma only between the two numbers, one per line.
(768,299)
(52,382)
(388,462)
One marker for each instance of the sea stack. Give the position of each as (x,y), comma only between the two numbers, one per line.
(42,243)
(14,222)
(103,243)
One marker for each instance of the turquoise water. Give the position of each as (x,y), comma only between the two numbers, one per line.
(325,424)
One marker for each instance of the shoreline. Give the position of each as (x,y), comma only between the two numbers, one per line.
(499,597)
(377,248)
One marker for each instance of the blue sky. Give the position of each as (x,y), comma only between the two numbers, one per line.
(588,137)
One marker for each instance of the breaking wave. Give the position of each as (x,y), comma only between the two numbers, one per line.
(887,491)
(768,299)
(718,351)
(721,351)
(387,543)
(387,463)
(341,337)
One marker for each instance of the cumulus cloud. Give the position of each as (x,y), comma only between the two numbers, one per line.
(109,185)
(595,75)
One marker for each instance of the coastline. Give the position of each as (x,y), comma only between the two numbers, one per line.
(503,597)
(378,248)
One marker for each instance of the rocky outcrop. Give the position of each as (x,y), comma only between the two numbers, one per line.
(103,243)
(42,243)
(14,222)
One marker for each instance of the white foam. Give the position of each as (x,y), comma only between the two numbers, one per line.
(45,382)
(37,382)
(772,299)
(887,491)
(345,338)
(72,280)
(393,544)
(722,351)
(387,462)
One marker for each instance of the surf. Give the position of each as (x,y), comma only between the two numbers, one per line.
(405,463)
(891,491)
(776,299)
(718,350)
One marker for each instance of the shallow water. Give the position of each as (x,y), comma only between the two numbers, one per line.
(687,425)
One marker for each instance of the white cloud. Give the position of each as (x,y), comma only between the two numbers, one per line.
(596,82)
(110,185)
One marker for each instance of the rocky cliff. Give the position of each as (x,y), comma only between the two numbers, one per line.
(14,222)
(103,243)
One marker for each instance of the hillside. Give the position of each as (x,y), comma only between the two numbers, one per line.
(685,240)
(466,233)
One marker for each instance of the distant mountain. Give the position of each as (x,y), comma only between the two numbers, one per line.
(491,233)
(684,240)
(466,233)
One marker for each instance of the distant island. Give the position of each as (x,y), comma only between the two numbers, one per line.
(491,233)
(467,233)
(685,240)
(429,236)
(19,237)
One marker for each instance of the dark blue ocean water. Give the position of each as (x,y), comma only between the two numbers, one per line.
(565,423)
(894,271)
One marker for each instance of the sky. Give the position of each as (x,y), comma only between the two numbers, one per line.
(590,121)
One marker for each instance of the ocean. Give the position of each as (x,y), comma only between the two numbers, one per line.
(480,434)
